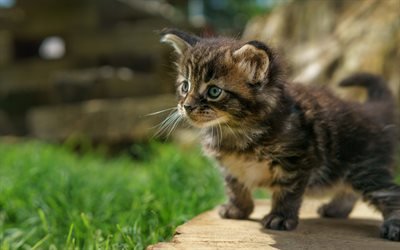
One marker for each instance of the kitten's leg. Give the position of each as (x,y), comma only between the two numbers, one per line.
(378,188)
(286,202)
(340,206)
(240,204)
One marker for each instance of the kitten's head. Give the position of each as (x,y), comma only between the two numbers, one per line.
(223,81)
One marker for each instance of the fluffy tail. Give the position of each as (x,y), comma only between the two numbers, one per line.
(380,101)
(375,85)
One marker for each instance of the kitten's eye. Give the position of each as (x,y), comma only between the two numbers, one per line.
(185,86)
(214,92)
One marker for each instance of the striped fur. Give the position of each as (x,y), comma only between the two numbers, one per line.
(292,139)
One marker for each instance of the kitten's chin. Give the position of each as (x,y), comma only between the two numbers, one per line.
(207,124)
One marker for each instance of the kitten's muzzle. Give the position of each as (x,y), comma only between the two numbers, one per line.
(188,108)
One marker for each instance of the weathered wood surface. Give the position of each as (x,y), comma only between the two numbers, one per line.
(208,231)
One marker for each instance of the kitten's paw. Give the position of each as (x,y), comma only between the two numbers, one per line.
(279,222)
(333,211)
(230,211)
(391,229)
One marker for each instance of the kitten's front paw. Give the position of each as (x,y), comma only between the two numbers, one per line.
(279,222)
(391,229)
(230,211)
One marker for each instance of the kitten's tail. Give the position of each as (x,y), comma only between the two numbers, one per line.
(380,101)
(375,85)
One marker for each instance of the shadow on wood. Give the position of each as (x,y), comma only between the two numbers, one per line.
(208,231)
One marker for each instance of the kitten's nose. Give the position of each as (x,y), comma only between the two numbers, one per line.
(188,108)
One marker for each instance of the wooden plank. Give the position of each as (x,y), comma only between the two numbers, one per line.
(209,231)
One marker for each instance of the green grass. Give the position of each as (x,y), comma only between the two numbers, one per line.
(51,198)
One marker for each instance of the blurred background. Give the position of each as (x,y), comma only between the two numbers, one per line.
(84,75)
(92,69)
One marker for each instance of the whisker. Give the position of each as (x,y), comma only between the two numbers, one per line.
(172,121)
(174,125)
(167,123)
(232,131)
(220,130)
(244,133)
(212,132)
(161,111)
(216,138)
(161,124)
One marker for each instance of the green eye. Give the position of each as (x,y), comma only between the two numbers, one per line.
(185,86)
(214,92)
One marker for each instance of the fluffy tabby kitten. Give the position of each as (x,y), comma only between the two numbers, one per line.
(290,138)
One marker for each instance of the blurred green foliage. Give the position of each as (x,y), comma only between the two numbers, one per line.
(233,14)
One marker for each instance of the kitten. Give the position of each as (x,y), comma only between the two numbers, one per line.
(290,138)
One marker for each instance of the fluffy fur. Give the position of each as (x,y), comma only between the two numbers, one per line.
(292,139)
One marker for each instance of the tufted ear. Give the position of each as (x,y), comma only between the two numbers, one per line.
(253,59)
(180,40)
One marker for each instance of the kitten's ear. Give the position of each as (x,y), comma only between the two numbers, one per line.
(253,59)
(180,40)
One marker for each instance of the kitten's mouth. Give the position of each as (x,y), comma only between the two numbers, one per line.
(210,123)
(203,120)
